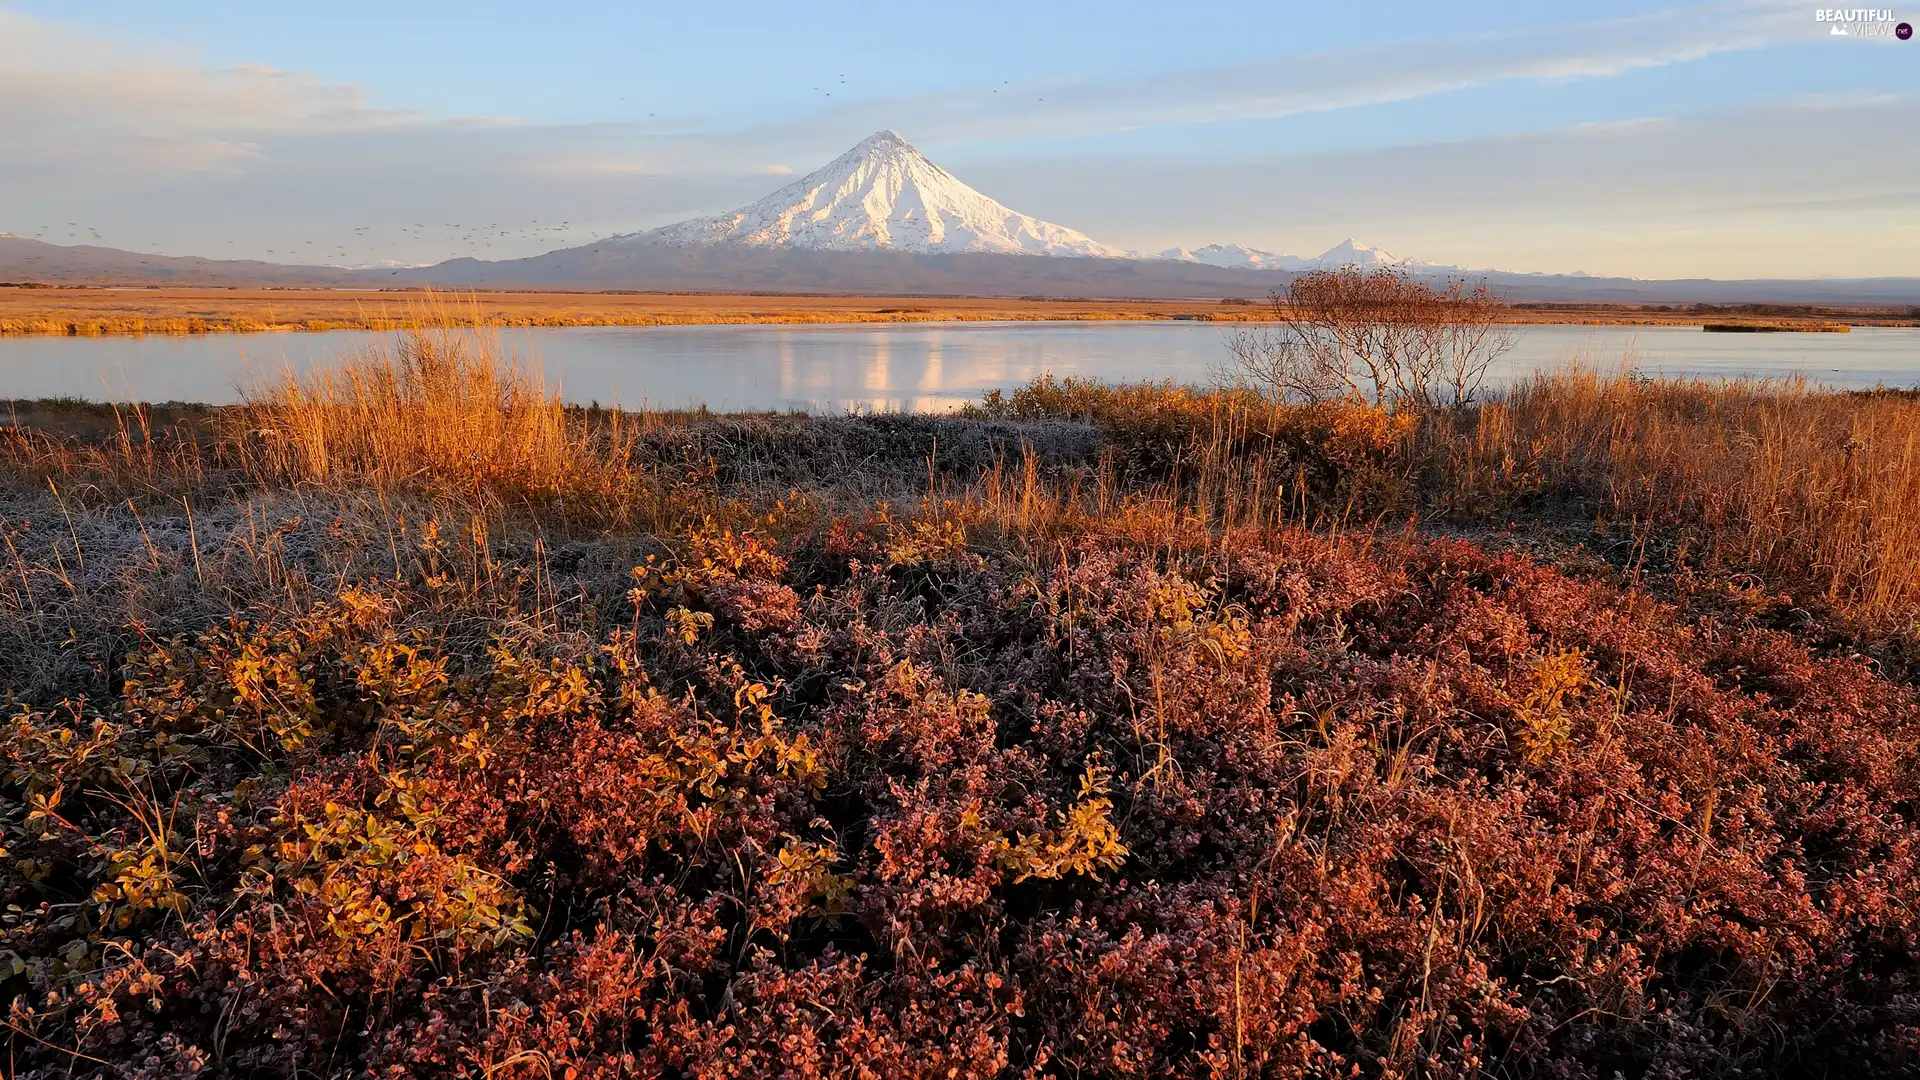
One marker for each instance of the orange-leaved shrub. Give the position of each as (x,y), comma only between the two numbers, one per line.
(865,800)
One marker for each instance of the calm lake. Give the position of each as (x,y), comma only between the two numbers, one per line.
(926,366)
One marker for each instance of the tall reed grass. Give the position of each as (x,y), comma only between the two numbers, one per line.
(1780,477)
(1815,491)
(440,407)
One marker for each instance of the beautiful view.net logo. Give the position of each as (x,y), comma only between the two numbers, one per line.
(1863,22)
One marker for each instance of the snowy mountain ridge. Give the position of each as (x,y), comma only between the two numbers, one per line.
(1348,252)
(885,195)
(882,194)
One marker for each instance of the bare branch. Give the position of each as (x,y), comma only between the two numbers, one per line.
(1376,337)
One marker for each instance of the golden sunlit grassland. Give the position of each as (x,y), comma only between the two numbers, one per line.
(106,311)
(405,721)
(94,311)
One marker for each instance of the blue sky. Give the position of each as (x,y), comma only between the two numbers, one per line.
(1730,139)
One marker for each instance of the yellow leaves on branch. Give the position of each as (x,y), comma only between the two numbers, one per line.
(373,877)
(807,869)
(1554,681)
(688,625)
(1085,841)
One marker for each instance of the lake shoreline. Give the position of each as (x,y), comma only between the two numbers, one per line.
(924,366)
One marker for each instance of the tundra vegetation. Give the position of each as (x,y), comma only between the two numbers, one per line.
(403,721)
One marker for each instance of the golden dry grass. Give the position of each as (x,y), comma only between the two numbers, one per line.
(1815,491)
(100,311)
(85,312)
(436,406)
(1781,478)
(1809,491)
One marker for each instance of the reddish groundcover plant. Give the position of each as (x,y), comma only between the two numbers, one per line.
(875,804)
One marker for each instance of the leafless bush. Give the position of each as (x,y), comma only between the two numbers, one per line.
(1379,337)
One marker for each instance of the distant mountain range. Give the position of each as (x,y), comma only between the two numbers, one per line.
(1347,252)
(22,259)
(882,219)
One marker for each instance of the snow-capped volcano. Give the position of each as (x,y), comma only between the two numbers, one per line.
(882,194)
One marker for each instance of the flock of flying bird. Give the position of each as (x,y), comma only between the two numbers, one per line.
(372,245)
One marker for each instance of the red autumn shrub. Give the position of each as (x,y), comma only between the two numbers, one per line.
(877,805)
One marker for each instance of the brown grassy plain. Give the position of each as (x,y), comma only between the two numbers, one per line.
(92,311)
(121,311)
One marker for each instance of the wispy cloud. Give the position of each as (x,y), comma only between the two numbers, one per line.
(592,168)
(67,74)
(1781,189)
(1618,127)
(68,99)
(64,94)
(1341,79)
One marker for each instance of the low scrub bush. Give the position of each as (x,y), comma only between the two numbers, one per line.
(860,801)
